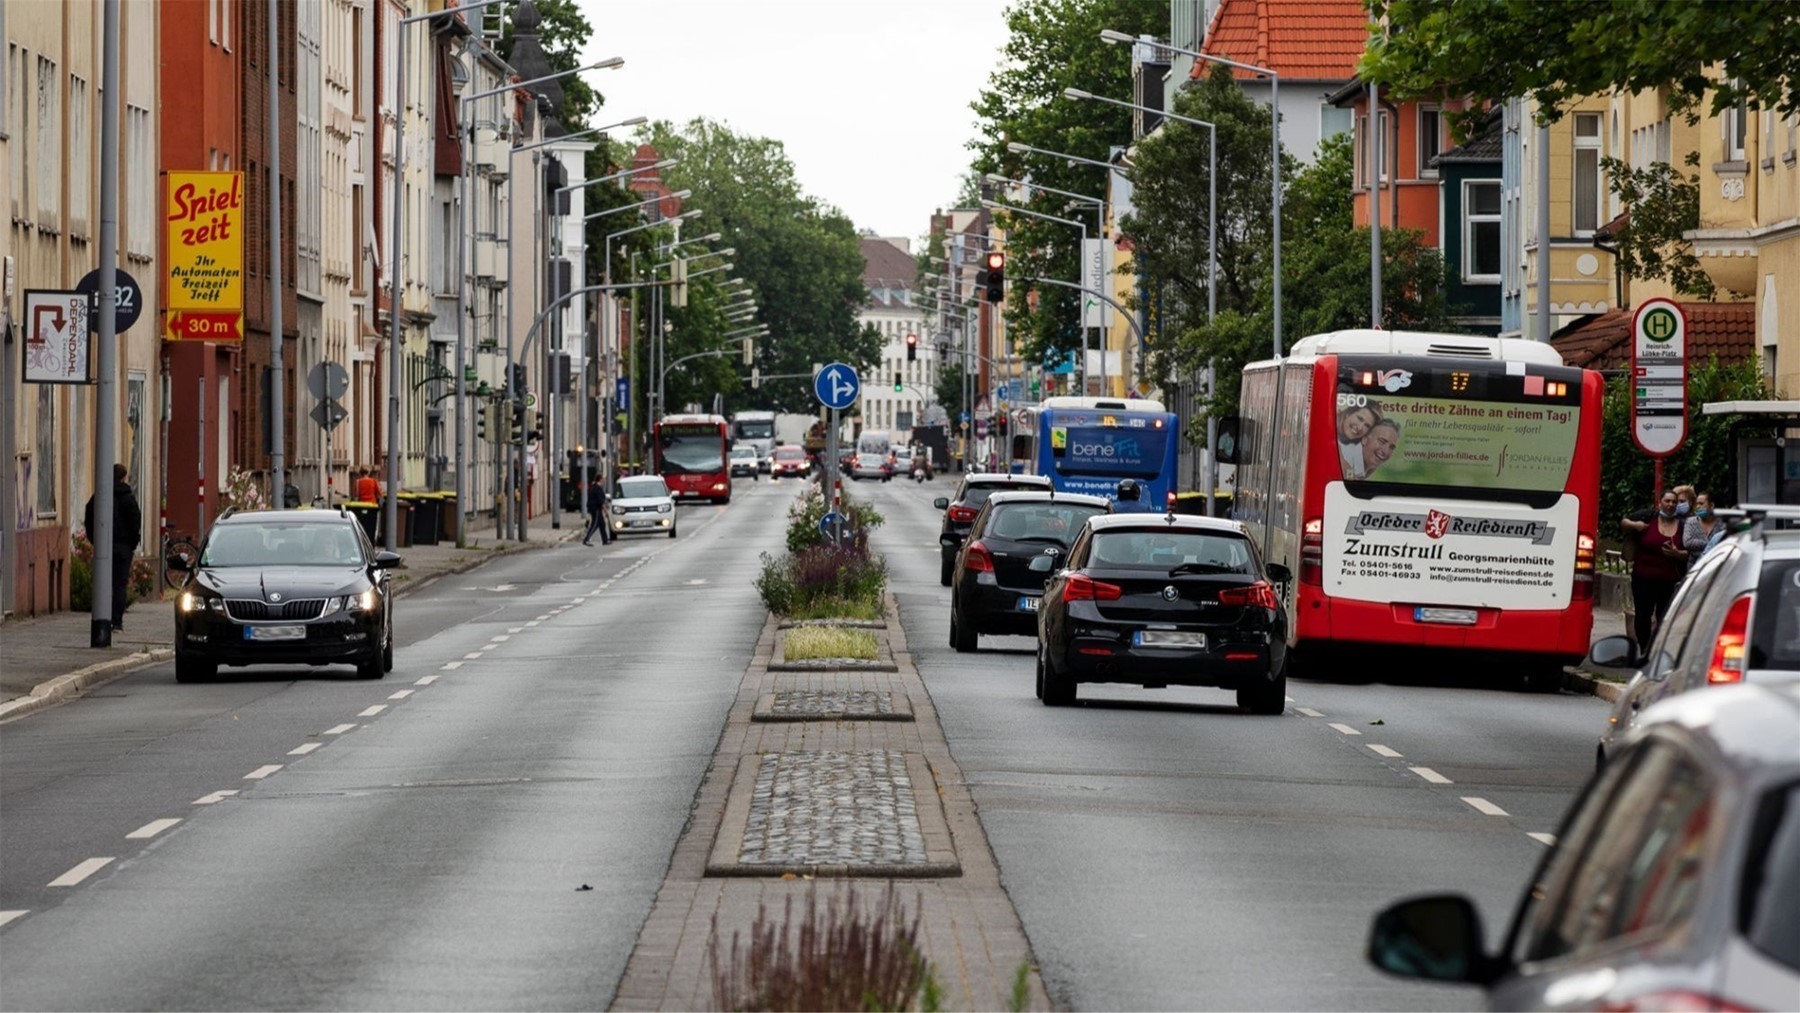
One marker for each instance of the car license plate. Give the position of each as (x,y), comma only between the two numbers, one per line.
(274,633)
(1168,638)
(643,524)
(1029,604)
(1448,617)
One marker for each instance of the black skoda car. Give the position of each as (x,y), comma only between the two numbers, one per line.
(960,510)
(290,587)
(1165,601)
(1017,540)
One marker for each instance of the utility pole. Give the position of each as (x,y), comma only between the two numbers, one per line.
(106,397)
(277,370)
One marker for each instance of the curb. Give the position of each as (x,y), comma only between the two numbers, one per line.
(1577,681)
(69,685)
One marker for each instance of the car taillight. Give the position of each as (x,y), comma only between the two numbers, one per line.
(1673,1001)
(977,559)
(1312,552)
(963,514)
(1170,499)
(1257,595)
(1728,650)
(1584,567)
(1082,587)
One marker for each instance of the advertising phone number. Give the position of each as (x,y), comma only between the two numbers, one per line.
(1385,568)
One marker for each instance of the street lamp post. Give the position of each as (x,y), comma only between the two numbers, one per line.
(607,323)
(1084,234)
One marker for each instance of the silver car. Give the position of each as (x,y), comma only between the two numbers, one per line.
(1736,618)
(642,506)
(1674,882)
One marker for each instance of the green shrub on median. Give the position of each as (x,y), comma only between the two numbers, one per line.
(823,582)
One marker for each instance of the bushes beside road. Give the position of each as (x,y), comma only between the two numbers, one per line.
(816,580)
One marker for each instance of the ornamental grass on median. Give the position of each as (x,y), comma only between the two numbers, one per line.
(807,643)
(820,581)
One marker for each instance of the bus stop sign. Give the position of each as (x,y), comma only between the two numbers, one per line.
(1659,377)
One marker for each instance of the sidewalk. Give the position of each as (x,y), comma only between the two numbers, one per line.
(45,659)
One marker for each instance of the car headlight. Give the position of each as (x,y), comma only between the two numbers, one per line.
(663,508)
(360,602)
(191,602)
(618,511)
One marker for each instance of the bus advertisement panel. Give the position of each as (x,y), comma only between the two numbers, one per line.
(1089,445)
(1427,501)
(692,456)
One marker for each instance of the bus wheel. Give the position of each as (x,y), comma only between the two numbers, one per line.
(1543,677)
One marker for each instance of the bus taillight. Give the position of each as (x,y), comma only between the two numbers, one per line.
(1584,567)
(1312,552)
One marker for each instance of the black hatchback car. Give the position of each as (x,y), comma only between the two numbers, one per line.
(1165,600)
(960,510)
(285,587)
(1017,540)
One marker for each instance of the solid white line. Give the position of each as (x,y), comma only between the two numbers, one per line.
(1392,754)
(499,638)
(304,749)
(1484,807)
(472,656)
(451,666)
(370,712)
(217,796)
(1346,729)
(1548,840)
(338,729)
(150,829)
(7,916)
(1309,712)
(426,681)
(400,695)
(1431,775)
(74,876)
(263,771)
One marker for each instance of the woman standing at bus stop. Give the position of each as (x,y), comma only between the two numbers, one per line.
(1657,568)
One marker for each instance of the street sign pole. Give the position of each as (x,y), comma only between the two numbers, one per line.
(830,474)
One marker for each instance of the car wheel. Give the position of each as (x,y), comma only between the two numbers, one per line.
(962,636)
(1265,696)
(191,669)
(387,653)
(370,667)
(946,570)
(1039,689)
(1059,687)
(671,532)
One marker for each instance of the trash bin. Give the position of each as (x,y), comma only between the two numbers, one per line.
(449,518)
(403,511)
(369,514)
(423,525)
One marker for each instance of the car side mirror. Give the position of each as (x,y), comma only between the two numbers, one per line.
(1279,573)
(386,560)
(1437,938)
(178,564)
(942,503)
(1611,652)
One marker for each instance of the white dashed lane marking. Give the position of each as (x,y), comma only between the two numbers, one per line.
(150,829)
(338,729)
(263,771)
(400,694)
(451,666)
(426,680)
(370,712)
(1483,806)
(472,656)
(1309,712)
(534,622)
(215,797)
(304,749)
(1379,750)
(1548,840)
(7,916)
(1431,775)
(1346,729)
(514,629)
(74,876)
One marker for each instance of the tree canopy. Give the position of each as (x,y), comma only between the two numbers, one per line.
(562,33)
(1556,52)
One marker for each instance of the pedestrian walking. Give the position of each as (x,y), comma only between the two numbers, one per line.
(127,520)
(1656,569)
(596,507)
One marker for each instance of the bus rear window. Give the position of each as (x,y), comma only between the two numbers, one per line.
(1473,426)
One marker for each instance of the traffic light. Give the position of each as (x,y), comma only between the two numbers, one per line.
(518,426)
(537,428)
(996,277)
(898,386)
(678,293)
(481,421)
(502,427)
(912,347)
(515,372)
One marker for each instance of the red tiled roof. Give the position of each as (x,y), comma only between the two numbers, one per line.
(1725,330)
(1306,40)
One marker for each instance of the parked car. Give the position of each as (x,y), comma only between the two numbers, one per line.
(901,460)
(872,466)
(744,461)
(1674,882)
(1736,618)
(303,587)
(642,506)
(1015,543)
(961,508)
(1163,600)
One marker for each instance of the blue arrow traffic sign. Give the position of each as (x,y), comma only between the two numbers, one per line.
(837,386)
(828,521)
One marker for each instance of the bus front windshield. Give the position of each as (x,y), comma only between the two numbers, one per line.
(691,449)
(1113,451)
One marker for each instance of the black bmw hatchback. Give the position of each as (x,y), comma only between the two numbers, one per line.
(1015,543)
(285,587)
(1165,601)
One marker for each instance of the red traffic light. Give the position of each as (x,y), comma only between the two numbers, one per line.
(912,339)
(996,261)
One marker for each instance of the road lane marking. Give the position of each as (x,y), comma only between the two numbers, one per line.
(370,712)
(1431,775)
(303,750)
(575,601)
(1346,729)
(400,694)
(534,622)
(515,629)
(1547,840)
(1309,712)
(426,681)
(338,729)
(451,666)
(7,916)
(1379,750)
(499,638)
(217,796)
(150,829)
(473,656)
(74,876)
(263,771)
(1483,806)
(541,618)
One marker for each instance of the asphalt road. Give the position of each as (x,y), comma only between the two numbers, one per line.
(1165,851)
(485,828)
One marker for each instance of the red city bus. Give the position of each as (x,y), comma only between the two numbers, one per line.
(1426,490)
(692,456)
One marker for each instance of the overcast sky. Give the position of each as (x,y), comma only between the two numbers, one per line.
(871,97)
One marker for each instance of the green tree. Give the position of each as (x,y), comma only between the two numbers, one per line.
(1052,45)
(1556,52)
(1627,474)
(563,33)
(1663,206)
(949,388)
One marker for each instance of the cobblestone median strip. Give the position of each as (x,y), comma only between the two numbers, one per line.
(832,705)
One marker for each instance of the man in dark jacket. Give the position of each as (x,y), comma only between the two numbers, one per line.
(596,507)
(126,522)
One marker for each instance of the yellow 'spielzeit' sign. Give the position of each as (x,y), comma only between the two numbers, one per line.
(204,214)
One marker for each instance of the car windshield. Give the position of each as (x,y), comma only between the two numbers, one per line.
(1040,522)
(789,454)
(282,545)
(743,451)
(975,495)
(642,488)
(1165,549)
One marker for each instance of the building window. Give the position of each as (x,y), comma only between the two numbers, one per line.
(1736,123)
(1333,120)
(1481,231)
(1431,139)
(140,170)
(80,178)
(15,80)
(1587,173)
(49,146)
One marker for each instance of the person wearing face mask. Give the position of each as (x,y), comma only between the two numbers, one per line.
(1702,531)
(1656,569)
(1684,501)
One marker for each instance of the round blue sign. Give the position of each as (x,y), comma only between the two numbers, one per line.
(837,386)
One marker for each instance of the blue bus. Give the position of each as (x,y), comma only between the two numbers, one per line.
(1089,444)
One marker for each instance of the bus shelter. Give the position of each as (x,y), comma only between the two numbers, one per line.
(1765,449)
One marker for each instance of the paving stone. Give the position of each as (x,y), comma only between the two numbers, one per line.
(833,808)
